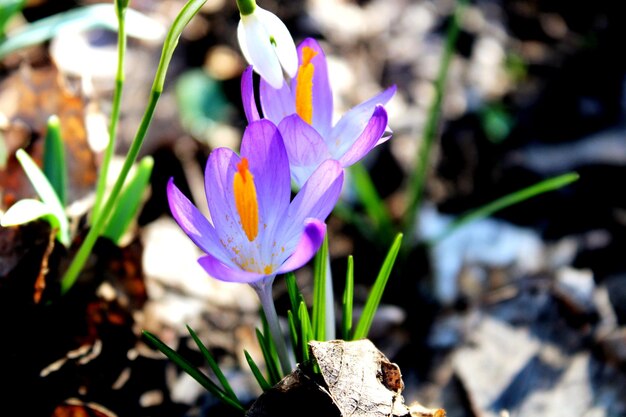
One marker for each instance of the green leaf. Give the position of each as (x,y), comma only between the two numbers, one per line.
(292,289)
(257,372)
(508,200)
(271,361)
(130,198)
(348,298)
(97,16)
(8,9)
(319,292)
(213,365)
(306,333)
(27,210)
(417,179)
(46,193)
(373,204)
(293,334)
(54,166)
(373,300)
(192,371)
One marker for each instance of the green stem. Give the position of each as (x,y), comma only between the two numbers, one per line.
(189,10)
(246,7)
(264,291)
(115,113)
(418,177)
(99,222)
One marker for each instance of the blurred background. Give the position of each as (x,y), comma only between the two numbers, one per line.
(522,313)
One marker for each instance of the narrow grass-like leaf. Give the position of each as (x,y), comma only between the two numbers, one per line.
(373,300)
(129,201)
(47,194)
(293,334)
(306,333)
(260,379)
(319,292)
(508,200)
(54,165)
(192,371)
(213,365)
(271,362)
(348,297)
(292,289)
(417,179)
(80,19)
(373,204)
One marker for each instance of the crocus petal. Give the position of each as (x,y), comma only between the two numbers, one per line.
(305,147)
(263,146)
(247,96)
(218,182)
(350,126)
(309,243)
(322,94)
(223,272)
(254,40)
(316,199)
(284,45)
(197,227)
(276,103)
(368,139)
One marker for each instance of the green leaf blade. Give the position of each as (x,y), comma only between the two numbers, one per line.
(319,292)
(348,298)
(129,201)
(191,370)
(373,300)
(213,365)
(54,165)
(47,194)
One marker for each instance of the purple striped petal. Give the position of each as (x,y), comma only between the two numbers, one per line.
(322,94)
(276,103)
(309,243)
(368,139)
(352,124)
(223,272)
(197,227)
(305,147)
(218,182)
(316,199)
(268,163)
(247,95)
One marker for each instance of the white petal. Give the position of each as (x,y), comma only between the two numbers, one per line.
(241,37)
(285,47)
(261,53)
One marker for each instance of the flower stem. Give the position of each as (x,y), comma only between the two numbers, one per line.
(189,10)
(246,7)
(115,110)
(264,291)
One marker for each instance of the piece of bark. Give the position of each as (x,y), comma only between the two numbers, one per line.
(355,379)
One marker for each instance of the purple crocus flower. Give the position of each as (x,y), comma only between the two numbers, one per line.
(256,231)
(303,111)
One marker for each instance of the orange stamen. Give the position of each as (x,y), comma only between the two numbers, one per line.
(246,200)
(304,87)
